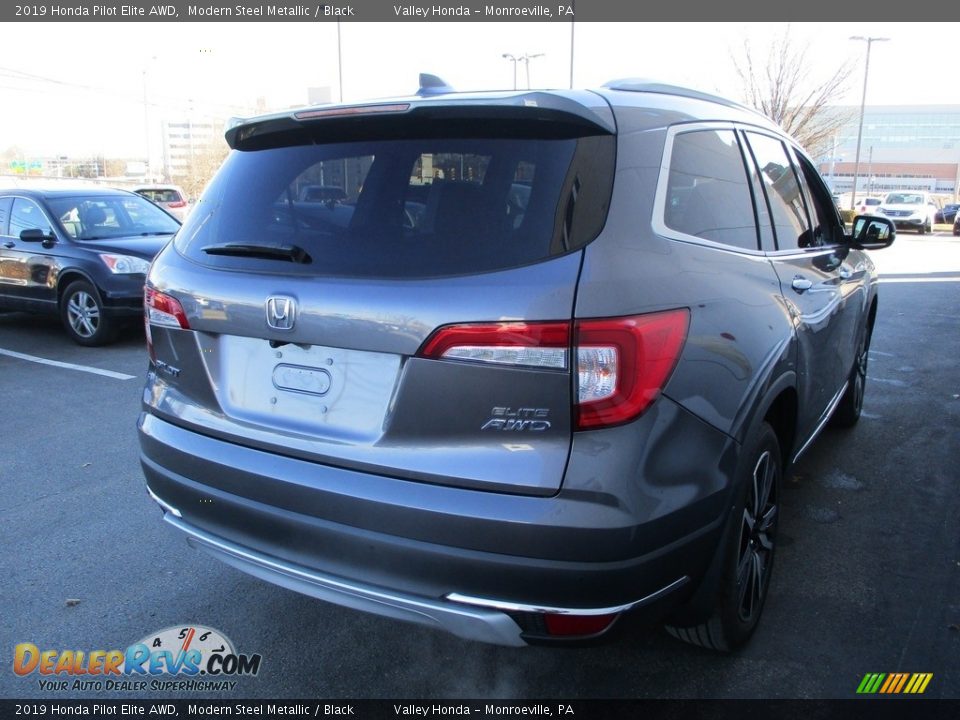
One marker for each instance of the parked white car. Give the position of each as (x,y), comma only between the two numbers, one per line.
(911,210)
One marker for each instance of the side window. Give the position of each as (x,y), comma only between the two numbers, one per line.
(27,215)
(785,199)
(4,214)
(708,195)
(827,229)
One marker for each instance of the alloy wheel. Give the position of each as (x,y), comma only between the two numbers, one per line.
(757,538)
(83,313)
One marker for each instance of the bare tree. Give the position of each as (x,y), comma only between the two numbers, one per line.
(783,89)
(203,164)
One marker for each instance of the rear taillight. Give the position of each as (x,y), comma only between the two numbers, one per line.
(621,363)
(539,345)
(161,309)
(177,204)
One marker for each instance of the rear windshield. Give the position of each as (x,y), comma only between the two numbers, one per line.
(403,208)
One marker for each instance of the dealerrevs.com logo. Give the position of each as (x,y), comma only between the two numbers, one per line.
(185,657)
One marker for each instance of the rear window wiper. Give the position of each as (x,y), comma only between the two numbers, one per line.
(291,253)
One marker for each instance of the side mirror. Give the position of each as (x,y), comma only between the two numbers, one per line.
(871,232)
(37,235)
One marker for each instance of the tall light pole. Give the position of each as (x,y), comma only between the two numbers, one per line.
(572,27)
(526,62)
(146,116)
(514,59)
(863,103)
(339,64)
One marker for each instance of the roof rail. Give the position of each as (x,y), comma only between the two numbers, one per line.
(655,86)
(433,85)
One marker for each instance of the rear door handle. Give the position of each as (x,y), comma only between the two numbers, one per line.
(801,284)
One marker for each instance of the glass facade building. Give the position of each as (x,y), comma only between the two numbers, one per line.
(904,147)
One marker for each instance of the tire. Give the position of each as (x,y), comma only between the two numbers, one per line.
(922,229)
(81,311)
(847,412)
(749,552)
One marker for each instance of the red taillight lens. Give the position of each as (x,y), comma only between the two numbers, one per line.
(162,309)
(177,204)
(574,625)
(540,345)
(623,363)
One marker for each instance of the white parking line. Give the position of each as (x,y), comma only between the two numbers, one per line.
(68,366)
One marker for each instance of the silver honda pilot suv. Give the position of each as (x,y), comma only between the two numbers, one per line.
(540,361)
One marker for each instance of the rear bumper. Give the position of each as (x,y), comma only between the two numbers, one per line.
(464,560)
(472,619)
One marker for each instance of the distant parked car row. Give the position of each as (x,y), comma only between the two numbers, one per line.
(948,214)
(909,210)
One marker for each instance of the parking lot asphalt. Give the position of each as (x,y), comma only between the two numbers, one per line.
(867,576)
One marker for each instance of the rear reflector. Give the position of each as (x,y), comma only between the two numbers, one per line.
(577,625)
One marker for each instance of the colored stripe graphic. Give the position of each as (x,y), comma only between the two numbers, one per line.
(870,683)
(894,683)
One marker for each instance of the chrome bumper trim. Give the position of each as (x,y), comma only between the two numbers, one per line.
(472,623)
(612,610)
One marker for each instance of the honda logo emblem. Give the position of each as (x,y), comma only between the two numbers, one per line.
(281,312)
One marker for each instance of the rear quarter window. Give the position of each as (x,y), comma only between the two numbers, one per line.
(708,195)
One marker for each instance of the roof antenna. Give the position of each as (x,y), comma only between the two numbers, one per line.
(432,85)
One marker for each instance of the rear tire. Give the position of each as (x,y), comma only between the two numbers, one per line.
(81,312)
(847,413)
(750,545)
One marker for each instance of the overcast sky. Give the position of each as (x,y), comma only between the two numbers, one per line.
(78,88)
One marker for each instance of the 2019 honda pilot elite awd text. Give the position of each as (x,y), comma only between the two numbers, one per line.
(543,364)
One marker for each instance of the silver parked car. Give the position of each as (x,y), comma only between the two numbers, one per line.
(170,197)
(544,364)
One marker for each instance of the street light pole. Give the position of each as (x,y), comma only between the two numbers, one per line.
(863,103)
(514,59)
(339,65)
(526,61)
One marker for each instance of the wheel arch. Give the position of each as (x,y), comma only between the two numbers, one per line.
(70,275)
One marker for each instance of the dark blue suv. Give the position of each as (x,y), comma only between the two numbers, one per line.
(79,252)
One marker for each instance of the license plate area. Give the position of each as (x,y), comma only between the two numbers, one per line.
(330,393)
